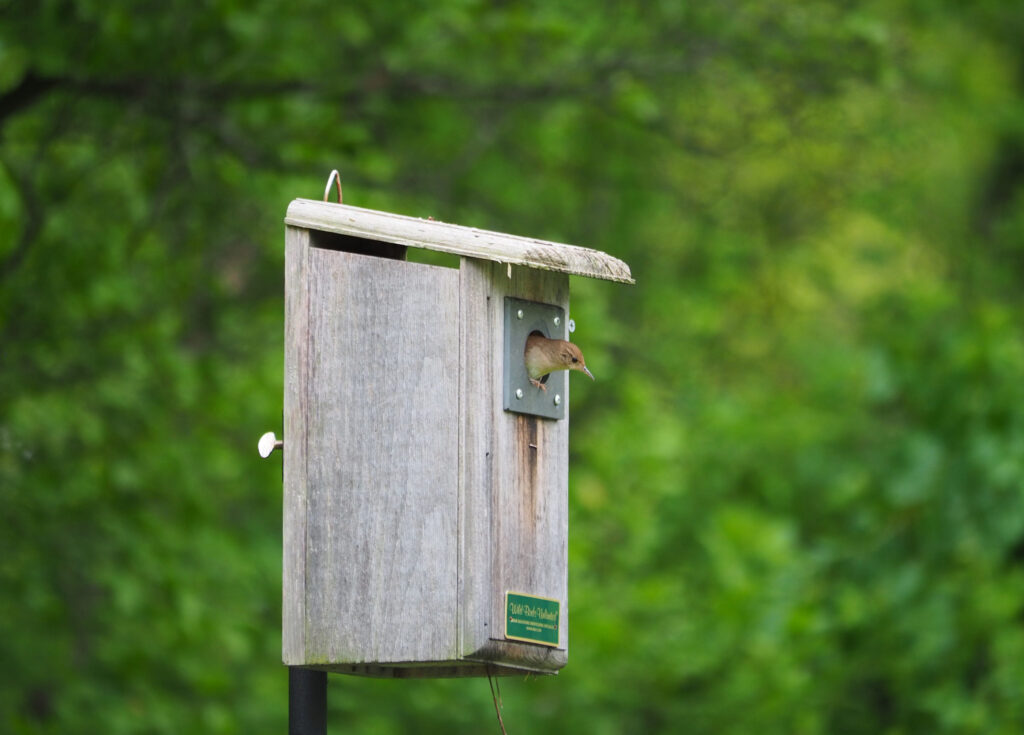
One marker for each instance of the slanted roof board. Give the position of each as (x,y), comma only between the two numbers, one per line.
(443,237)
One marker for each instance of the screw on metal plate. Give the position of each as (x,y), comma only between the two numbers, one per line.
(519,314)
(557,321)
(268,443)
(519,393)
(558,399)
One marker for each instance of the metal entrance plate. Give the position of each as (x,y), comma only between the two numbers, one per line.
(522,318)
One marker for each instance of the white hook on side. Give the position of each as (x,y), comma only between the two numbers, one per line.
(268,443)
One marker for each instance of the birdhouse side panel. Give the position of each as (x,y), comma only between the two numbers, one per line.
(381,454)
(296,313)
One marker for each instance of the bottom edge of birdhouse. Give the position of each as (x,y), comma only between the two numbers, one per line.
(429,670)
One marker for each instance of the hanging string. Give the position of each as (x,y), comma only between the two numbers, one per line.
(497,699)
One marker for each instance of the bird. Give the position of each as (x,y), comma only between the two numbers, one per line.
(543,356)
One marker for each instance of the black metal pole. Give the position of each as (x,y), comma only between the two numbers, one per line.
(307,701)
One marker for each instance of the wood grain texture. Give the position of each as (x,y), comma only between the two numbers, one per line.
(381,463)
(443,670)
(413,501)
(456,239)
(476,442)
(296,313)
(515,478)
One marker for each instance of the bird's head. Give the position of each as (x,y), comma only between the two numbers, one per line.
(571,357)
(544,355)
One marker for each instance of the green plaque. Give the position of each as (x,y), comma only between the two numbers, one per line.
(532,619)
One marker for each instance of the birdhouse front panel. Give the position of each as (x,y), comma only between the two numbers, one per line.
(515,537)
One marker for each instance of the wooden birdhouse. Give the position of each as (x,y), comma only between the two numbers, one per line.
(425,477)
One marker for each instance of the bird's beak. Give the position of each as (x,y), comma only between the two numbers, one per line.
(589,374)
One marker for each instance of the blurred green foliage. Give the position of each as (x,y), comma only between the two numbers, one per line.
(796,489)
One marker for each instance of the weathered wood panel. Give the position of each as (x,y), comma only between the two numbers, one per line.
(476,442)
(456,239)
(413,501)
(380,438)
(296,313)
(516,531)
(531,477)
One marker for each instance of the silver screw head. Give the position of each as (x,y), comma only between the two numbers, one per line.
(558,399)
(572,326)
(519,392)
(519,314)
(558,320)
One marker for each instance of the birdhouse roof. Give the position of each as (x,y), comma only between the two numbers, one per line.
(430,234)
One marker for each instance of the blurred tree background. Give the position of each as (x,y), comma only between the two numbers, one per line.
(796,488)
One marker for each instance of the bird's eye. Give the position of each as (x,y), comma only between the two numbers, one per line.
(575,359)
